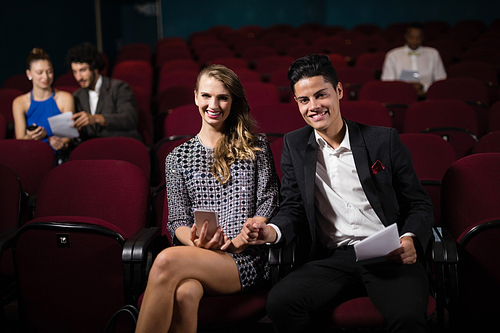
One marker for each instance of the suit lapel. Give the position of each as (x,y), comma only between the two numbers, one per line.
(363,165)
(102,94)
(310,158)
(85,101)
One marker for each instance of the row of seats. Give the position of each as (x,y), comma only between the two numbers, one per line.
(32,160)
(446,100)
(87,229)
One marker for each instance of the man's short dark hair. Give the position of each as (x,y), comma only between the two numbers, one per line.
(310,66)
(85,53)
(415,25)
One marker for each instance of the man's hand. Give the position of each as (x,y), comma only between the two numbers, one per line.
(83,118)
(259,232)
(406,254)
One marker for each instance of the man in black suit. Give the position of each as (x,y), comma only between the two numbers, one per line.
(104,107)
(342,182)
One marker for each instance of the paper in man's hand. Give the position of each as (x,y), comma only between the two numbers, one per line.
(379,244)
(61,125)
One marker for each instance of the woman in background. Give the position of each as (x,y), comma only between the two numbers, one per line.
(227,169)
(32,110)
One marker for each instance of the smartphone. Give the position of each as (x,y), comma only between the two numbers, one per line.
(32,127)
(202,215)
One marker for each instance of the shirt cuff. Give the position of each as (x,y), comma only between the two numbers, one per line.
(278,233)
(408,234)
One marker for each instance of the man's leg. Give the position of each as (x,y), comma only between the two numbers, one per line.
(310,287)
(401,294)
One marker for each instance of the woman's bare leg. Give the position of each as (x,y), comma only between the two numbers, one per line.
(187,300)
(216,271)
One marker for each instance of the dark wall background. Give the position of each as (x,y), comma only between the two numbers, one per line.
(57,25)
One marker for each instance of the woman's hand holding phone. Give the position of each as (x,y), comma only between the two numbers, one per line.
(36,132)
(200,238)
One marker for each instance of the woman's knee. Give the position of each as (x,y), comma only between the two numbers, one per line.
(165,265)
(188,293)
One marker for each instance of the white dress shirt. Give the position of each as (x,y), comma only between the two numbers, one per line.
(424,60)
(343,213)
(94,95)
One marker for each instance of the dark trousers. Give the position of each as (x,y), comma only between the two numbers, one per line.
(399,292)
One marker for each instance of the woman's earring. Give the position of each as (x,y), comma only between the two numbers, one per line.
(30,78)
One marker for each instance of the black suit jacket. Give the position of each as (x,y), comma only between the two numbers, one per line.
(395,193)
(117,105)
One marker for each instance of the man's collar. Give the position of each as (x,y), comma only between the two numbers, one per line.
(344,144)
(98,84)
(417,51)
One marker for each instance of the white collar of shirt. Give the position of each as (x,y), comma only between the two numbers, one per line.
(417,51)
(94,95)
(345,144)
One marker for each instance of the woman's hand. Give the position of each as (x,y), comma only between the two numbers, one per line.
(250,234)
(219,240)
(37,134)
(58,143)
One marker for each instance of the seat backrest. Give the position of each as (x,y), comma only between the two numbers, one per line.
(7,96)
(3,127)
(183,120)
(114,148)
(135,72)
(482,71)
(366,112)
(111,190)
(66,79)
(10,198)
(432,156)
(167,78)
(30,159)
(371,60)
(389,92)
(173,97)
(489,143)
(266,65)
(261,93)
(440,113)
(277,117)
(494,117)
(165,53)
(231,62)
(462,88)
(19,82)
(470,192)
(67,273)
(479,277)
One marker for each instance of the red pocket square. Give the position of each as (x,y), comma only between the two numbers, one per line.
(377,167)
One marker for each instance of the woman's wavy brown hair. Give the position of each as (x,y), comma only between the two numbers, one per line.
(238,140)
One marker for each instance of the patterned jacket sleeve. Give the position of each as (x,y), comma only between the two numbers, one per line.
(267,200)
(179,204)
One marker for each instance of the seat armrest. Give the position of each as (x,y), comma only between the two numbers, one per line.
(6,238)
(444,247)
(281,259)
(136,247)
(138,256)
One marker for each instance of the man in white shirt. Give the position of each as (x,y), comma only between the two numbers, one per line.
(414,63)
(342,182)
(104,107)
